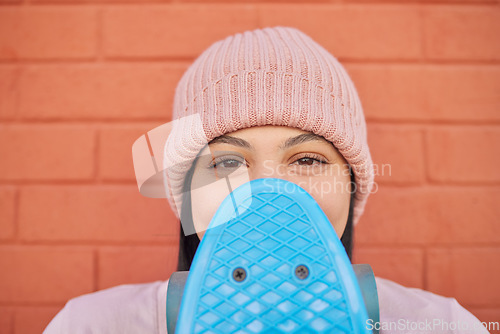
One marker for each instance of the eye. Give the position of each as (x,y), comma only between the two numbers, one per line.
(310,159)
(226,162)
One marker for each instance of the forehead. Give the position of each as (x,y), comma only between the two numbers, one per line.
(274,130)
(268,135)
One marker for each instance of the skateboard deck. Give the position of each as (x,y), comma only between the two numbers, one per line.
(271,262)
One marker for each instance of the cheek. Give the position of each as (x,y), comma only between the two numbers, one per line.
(333,196)
(204,203)
(336,208)
(208,192)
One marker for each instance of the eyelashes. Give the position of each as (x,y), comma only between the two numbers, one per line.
(311,157)
(220,162)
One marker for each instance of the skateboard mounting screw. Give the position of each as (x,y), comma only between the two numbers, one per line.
(239,274)
(301,272)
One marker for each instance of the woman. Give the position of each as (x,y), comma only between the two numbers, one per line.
(275,103)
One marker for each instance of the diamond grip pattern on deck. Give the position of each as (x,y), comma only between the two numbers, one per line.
(269,240)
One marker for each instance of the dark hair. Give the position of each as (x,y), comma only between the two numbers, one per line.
(189,243)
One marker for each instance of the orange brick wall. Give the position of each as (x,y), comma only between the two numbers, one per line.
(81,80)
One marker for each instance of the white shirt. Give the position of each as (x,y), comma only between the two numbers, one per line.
(141,309)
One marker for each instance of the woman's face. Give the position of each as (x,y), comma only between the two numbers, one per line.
(287,153)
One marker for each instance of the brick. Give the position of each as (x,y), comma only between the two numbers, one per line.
(129,265)
(7,319)
(466,93)
(259,1)
(7,212)
(389,91)
(430,92)
(402,265)
(463,154)
(461,32)
(406,223)
(44,274)
(353,31)
(94,213)
(465,215)
(397,153)
(468,274)
(47,32)
(431,215)
(490,317)
(115,150)
(41,152)
(90,91)
(455,2)
(9,91)
(33,319)
(171,31)
(433,2)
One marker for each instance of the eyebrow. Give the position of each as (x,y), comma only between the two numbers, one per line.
(300,139)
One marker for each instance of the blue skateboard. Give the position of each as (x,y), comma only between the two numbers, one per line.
(271,262)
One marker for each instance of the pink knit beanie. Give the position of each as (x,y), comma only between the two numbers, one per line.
(269,76)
